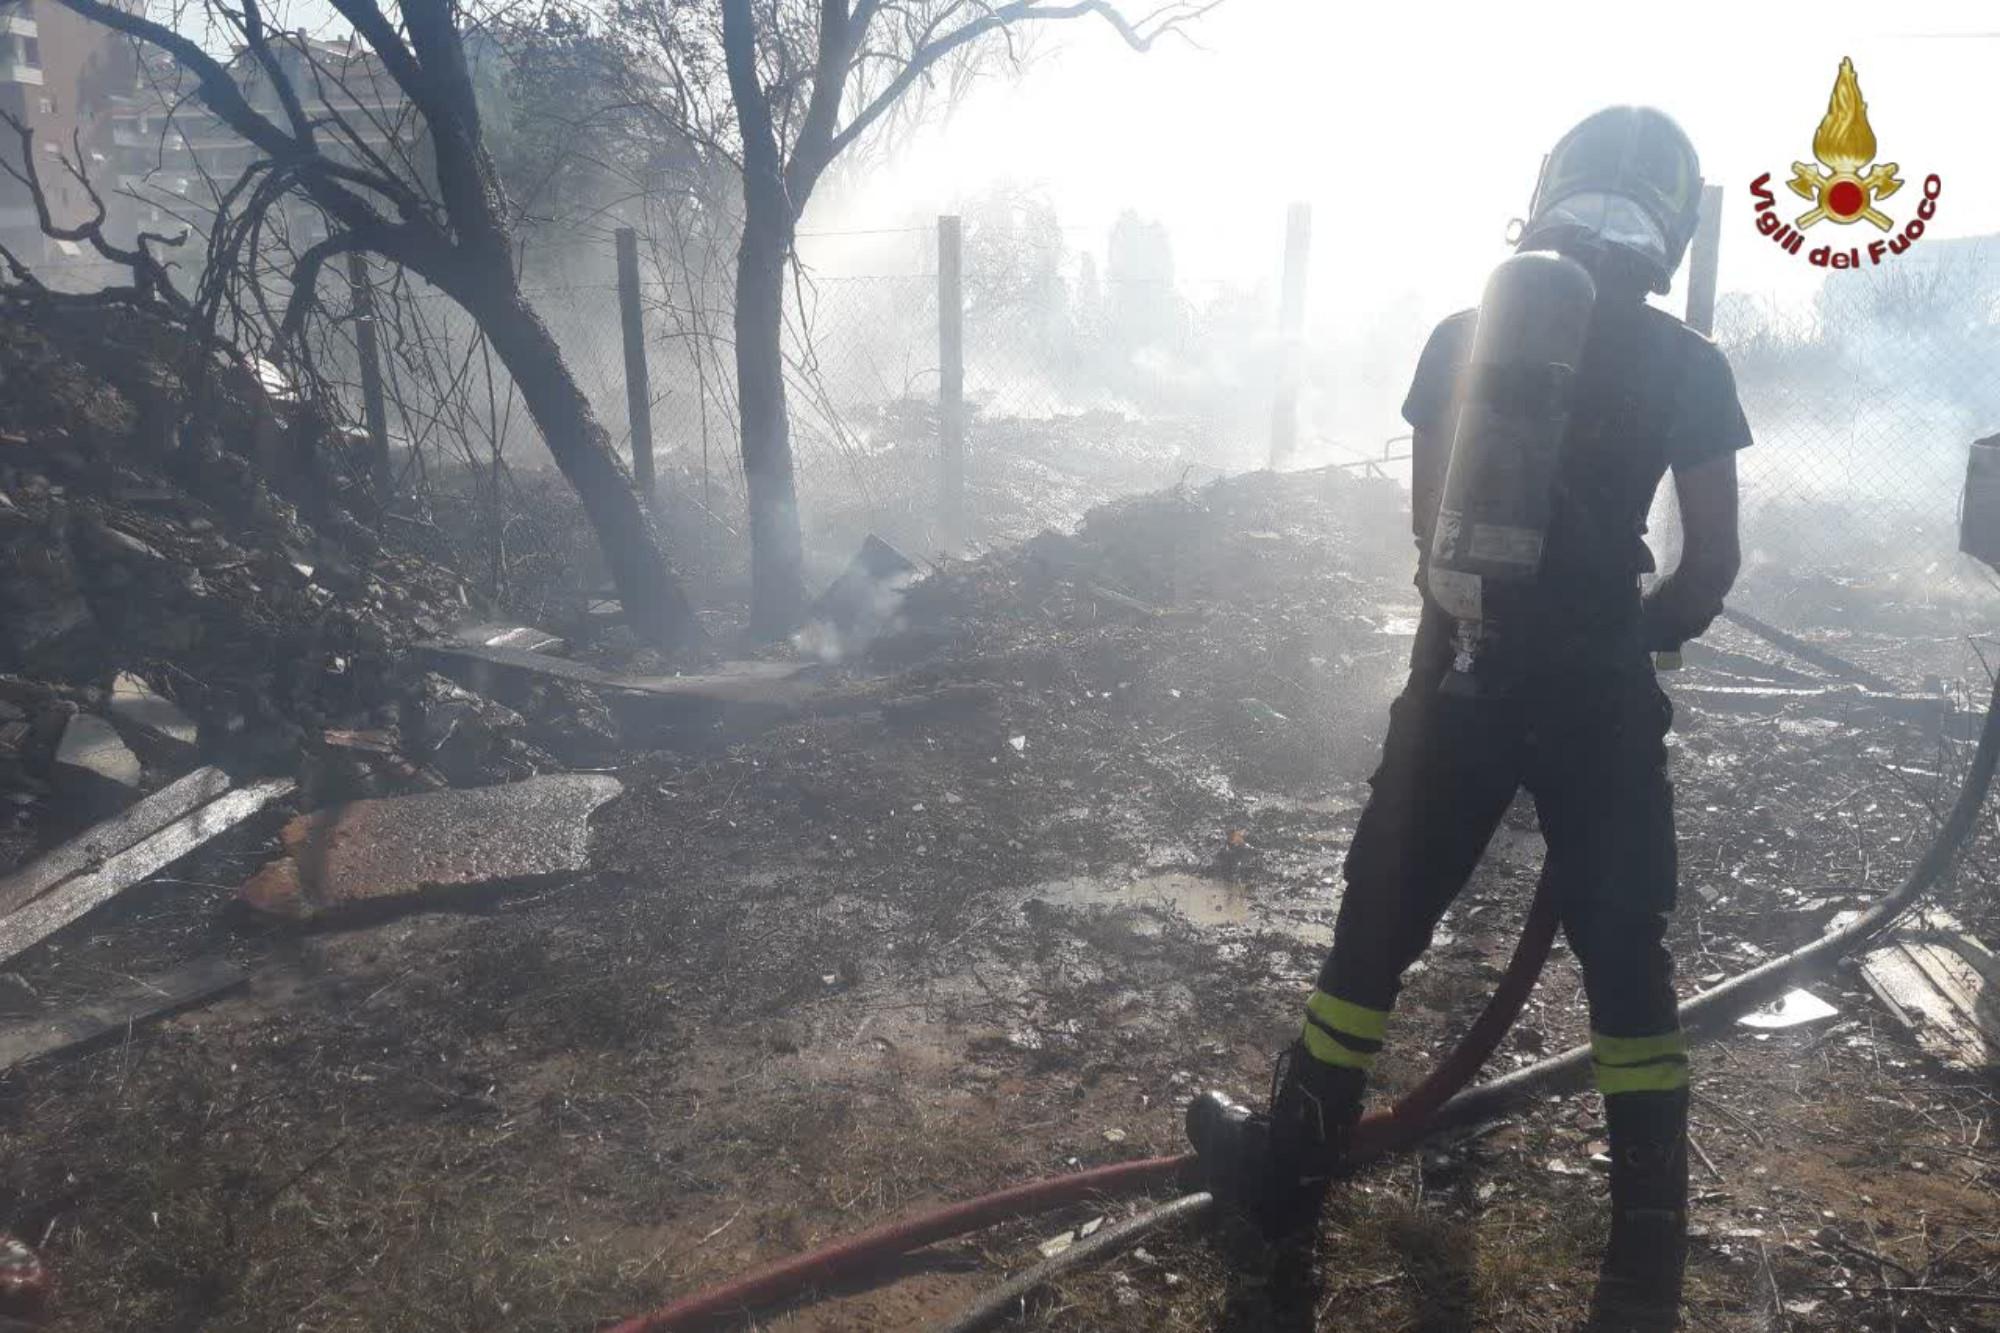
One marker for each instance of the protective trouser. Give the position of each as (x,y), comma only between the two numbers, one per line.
(1593,756)
(1592,753)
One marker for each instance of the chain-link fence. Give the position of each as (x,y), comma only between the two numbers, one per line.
(1081,385)
(1075,389)
(1864,401)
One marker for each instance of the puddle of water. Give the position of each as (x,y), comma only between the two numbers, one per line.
(1144,904)
(1205,902)
(1318,805)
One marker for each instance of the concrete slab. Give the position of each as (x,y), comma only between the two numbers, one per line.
(1944,986)
(494,635)
(487,669)
(1836,701)
(381,850)
(759,684)
(1827,661)
(1699,653)
(764,684)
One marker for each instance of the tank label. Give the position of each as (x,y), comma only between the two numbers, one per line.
(1505,545)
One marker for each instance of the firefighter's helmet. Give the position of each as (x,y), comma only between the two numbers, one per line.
(1625,180)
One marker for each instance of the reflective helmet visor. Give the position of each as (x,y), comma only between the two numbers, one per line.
(1625,177)
(1597,219)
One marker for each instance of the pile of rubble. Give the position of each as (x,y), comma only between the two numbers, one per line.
(197,635)
(1183,546)
(194,629)
(162,598)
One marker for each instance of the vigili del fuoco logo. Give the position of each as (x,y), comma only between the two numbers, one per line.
(1844,186)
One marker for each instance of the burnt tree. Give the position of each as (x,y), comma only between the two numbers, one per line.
(807,80)
(448,225)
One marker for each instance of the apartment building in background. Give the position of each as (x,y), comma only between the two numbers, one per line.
(153,151)
(173,156)
(60,75)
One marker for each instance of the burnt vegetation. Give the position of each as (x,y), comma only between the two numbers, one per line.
(890,882)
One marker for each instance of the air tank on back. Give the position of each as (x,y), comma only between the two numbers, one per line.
(1499,488)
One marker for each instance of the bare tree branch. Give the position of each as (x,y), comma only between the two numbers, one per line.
(305,279)
(838,37)
(151,283)
(1140,35)
(251,22)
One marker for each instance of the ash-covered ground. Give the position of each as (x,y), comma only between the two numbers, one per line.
(1060,850)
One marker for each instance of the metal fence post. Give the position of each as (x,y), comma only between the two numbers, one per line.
(374,414)
(951,382)
(1291,330)
(1704,262)
(638,386)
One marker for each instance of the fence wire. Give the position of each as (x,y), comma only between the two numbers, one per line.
(1863,404)
(1862,401)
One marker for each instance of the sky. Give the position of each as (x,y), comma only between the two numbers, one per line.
(1416,130)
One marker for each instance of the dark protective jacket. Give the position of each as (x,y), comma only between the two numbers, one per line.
(1652,394)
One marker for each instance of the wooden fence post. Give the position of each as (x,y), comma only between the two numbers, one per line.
(1705,260)
(374,414)
(951,383)
(1291,332)
(638,385)
(1704,257)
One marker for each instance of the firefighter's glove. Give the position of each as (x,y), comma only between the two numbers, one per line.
(1658,629)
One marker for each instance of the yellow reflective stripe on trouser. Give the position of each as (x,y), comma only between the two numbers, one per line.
(1326,1050)
(1341,1033)
(1346,1016)
(1663,1077)
(1639,1064)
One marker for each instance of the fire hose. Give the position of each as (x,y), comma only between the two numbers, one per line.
(1380,1132)
(1440,1102)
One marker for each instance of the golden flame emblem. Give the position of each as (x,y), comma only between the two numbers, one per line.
(1844,144)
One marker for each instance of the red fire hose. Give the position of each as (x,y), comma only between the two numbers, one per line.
(1702,1014)
(1378,1133)
(1409,1119)
(1433,1104)
(859,1253)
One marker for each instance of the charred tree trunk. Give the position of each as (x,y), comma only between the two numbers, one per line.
(775,191)
(457,240)
(655,605)
(770,212)
(777,574)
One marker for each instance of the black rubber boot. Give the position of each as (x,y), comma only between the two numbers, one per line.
(1314,1107)
(1277,1164)
(1639,1287)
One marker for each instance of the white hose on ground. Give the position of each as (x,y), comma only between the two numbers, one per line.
(1700,1015)
(1740,994)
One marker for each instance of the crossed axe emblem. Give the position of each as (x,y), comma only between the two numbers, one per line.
(1842,195)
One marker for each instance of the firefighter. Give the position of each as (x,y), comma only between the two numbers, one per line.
(1562,701)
